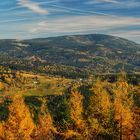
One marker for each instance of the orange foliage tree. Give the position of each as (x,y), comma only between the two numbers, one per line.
(100,111)
(76,106)
(44,129)
(1,131)
(20,124)
(76,109)
(124,114)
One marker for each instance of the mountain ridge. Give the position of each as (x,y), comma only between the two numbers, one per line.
(14,39)
(92,53)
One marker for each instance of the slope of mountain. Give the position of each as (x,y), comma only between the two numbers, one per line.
(76,54)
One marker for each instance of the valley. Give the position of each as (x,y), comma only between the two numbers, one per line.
(84,87)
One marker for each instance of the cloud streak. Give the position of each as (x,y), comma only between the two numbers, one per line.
(114,4)
(102,1)
(80,11)
(83,23)
(33,6)
(109,1)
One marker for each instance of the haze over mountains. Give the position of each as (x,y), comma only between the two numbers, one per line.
(75,54)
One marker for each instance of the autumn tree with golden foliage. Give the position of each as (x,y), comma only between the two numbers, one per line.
(76,109)
(100,111)
(124,114)
(20,124)
(1,131)
(44,129)
(1,86)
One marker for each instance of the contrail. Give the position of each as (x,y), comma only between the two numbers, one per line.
(80,11)
(21,19)
(11,9)
(20,6)
(72,10)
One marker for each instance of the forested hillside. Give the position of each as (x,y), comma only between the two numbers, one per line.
(72,56)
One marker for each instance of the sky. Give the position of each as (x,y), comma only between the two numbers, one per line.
(25,19)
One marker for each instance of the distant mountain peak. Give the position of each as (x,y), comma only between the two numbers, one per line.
(92,53)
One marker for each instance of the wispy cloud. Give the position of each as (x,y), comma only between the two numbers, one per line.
(109,1)
(20,5)
(102,1)
(114,4)
(83,24)
(80,11)
(118,26)
(87,24)
(33,6)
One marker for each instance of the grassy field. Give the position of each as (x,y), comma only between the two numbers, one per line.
(38,85)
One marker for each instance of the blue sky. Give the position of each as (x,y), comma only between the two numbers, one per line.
(23,19)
